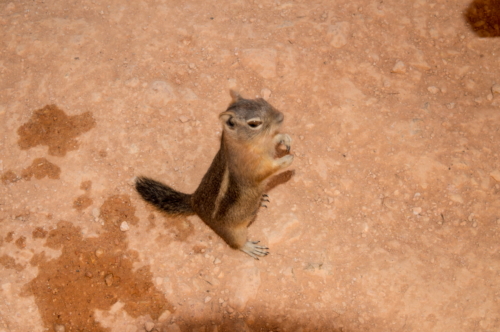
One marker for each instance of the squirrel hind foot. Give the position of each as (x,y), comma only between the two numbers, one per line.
(252,249)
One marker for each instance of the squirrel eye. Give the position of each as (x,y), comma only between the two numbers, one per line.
(230,122)
(254,123)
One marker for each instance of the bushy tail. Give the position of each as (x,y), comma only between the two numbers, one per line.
(164,197)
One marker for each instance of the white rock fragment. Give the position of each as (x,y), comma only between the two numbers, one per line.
(495,89)
(450,106)
(265,93)
(399,68)
(164,316)
(99,252)
(124,226)
(59,328)
(433,89)
(149,326)
(208,299)
(417,210)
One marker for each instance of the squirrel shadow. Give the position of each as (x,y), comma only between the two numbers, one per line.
(483,17)
(263,323)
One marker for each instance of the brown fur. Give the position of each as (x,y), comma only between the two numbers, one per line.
(230,193)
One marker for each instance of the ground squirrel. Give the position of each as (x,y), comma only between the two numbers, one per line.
(231,192)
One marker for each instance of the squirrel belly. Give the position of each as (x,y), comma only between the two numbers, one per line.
(164,197)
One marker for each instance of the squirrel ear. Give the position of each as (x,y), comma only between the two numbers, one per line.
(235,95)
(226,117)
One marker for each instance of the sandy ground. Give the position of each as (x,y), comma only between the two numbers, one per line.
(390,221)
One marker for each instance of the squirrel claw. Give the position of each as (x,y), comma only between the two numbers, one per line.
(286,141)
(264,198)
(252,249)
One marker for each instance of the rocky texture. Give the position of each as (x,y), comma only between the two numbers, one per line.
(388,219)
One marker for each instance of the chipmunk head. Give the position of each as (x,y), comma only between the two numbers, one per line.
(245,119)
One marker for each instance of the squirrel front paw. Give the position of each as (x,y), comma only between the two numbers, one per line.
(285,161)
(284,139)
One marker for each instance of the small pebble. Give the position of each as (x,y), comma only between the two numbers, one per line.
(109,280)
(124,226)
(208,299)
(417,210)
(399,68)
(495,175)
(265,93)
(149,326)
(495,89)
(59,328)
(433,89)
(183,118)
(99,252)
(489,97)
(217,261)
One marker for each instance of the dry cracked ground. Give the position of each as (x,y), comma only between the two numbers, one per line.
(390,221)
